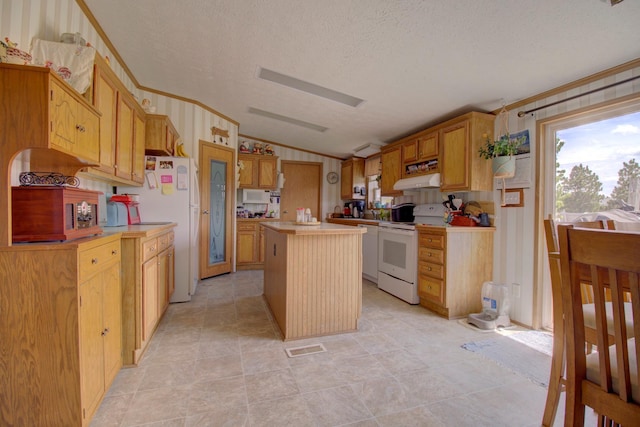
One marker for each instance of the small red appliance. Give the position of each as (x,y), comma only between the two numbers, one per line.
(133,208)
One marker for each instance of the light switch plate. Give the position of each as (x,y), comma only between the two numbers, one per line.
(513,197)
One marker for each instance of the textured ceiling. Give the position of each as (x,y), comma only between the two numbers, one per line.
(414,62)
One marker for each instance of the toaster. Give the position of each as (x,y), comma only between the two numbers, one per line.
(116,214)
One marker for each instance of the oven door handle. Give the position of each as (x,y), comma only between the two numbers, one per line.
(389,230)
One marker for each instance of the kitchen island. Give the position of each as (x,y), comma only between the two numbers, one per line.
(312,277)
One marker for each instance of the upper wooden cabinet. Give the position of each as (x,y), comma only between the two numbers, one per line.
(258,171)
(105,99)
(124,149)
(161,135)
(139,141)
(391,170)
(352,175)
(462,169)
(41,111)
(122,125)
(420,154)
(74,127)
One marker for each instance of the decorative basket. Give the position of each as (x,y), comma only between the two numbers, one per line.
(17,56)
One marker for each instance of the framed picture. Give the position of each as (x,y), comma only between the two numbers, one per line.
(525,147)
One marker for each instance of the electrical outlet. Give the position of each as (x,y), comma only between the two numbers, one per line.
(515,290)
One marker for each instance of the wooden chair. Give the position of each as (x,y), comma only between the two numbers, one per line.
(607,380)
(556,376)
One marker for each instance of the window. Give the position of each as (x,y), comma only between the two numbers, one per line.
(598,169)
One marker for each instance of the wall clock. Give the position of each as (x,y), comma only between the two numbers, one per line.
(332,177)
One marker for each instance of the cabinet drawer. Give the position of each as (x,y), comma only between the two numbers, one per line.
(432,241)
(431,289)
(247,226)
(433,270)
(96,259)
(164,241)
(431,255)
(149,249)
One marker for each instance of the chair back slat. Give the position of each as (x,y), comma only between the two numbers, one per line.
(602,333)
(610,261)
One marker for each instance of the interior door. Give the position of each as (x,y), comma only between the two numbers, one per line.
(302,189)
(216,208)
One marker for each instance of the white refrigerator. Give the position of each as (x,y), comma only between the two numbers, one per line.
(170,194)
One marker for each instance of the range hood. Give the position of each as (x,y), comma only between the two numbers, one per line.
(417,182)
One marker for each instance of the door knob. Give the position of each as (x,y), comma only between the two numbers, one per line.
(205,212)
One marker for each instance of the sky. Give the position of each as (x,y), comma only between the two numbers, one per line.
(603,146)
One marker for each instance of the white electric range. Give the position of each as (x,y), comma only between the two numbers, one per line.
(398,252)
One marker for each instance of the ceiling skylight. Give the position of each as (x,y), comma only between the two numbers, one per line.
(287,119)
(311,88)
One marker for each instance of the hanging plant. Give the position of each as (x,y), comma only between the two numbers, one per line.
(505,146)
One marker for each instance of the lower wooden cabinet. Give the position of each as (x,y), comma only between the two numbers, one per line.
(60,307)
(148,283)
(100,332)
(249,245)
(453,263)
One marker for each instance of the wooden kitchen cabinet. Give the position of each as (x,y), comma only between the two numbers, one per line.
(75,128)
(453,263)
(161,135)
(166,267)
(258,171)
(139,141)
(250,244)
(105,99)
(125,132)
(420,154)
(122,129)
(391,170)
(100,323)
(41,111)
(462,169)
(148,283)
(61,329)
(352,175)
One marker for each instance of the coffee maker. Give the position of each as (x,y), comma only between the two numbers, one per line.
(355,209)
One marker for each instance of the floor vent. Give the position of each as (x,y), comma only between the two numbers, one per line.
(303,351)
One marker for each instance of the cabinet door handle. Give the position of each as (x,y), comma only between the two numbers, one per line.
(428,268)
(205,212)
(105,331)
(94,260)
(80,128)
(114,252)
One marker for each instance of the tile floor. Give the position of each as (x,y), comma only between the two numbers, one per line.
(218,361)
